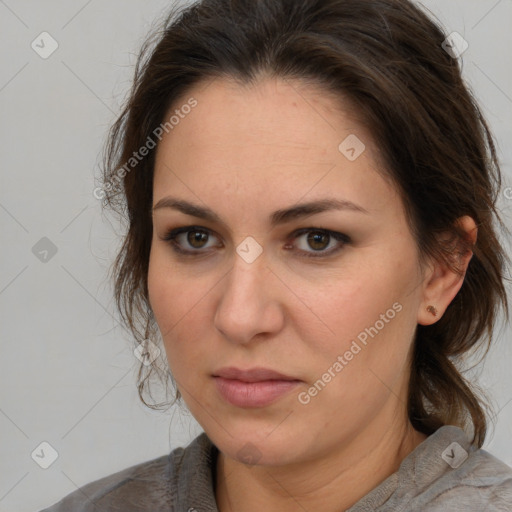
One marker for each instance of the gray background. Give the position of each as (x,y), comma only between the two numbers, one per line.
(67,373)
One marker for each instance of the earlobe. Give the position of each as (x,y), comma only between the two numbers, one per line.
(444,281)
(432,309)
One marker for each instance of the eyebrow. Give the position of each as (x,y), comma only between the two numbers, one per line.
(276,218)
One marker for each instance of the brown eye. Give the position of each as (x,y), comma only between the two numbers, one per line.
(196,238)
(318,240)
(191,240)
(188,240)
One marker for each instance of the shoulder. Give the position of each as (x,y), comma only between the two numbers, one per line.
(444,472)
(482,482)
(124,488)
(149,486)
(453,475)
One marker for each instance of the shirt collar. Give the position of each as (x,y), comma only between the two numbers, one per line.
(192,476)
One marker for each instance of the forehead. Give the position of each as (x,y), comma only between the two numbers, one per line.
(274,137)
(276,110)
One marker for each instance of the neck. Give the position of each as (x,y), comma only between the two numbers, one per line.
(331,482)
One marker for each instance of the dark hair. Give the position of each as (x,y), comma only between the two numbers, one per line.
(386,58)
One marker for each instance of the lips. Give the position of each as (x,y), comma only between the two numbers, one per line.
(255,387)
(252,374)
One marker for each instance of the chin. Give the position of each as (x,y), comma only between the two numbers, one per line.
(251,444)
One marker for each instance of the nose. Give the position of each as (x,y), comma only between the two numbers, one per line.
(249,305)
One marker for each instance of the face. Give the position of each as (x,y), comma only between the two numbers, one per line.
(326,296)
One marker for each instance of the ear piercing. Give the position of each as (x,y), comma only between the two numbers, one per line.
(432,309)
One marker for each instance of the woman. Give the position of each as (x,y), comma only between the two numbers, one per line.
(311,196)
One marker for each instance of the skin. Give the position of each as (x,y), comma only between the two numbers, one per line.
(245,152)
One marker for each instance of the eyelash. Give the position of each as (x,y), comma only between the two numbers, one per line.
(171,235)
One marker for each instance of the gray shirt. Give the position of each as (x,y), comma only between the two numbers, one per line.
(443,473)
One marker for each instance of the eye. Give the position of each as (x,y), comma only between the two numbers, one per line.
(318,240)
(195,237)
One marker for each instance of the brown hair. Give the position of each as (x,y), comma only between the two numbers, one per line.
(386,58)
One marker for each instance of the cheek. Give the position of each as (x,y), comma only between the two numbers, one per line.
(178,303)
(359,296)
(163,297)
(370,311)
(169,290)
(158,287)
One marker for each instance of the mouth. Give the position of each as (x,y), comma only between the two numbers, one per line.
(255,387)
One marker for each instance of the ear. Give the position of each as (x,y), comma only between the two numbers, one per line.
(441,284)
